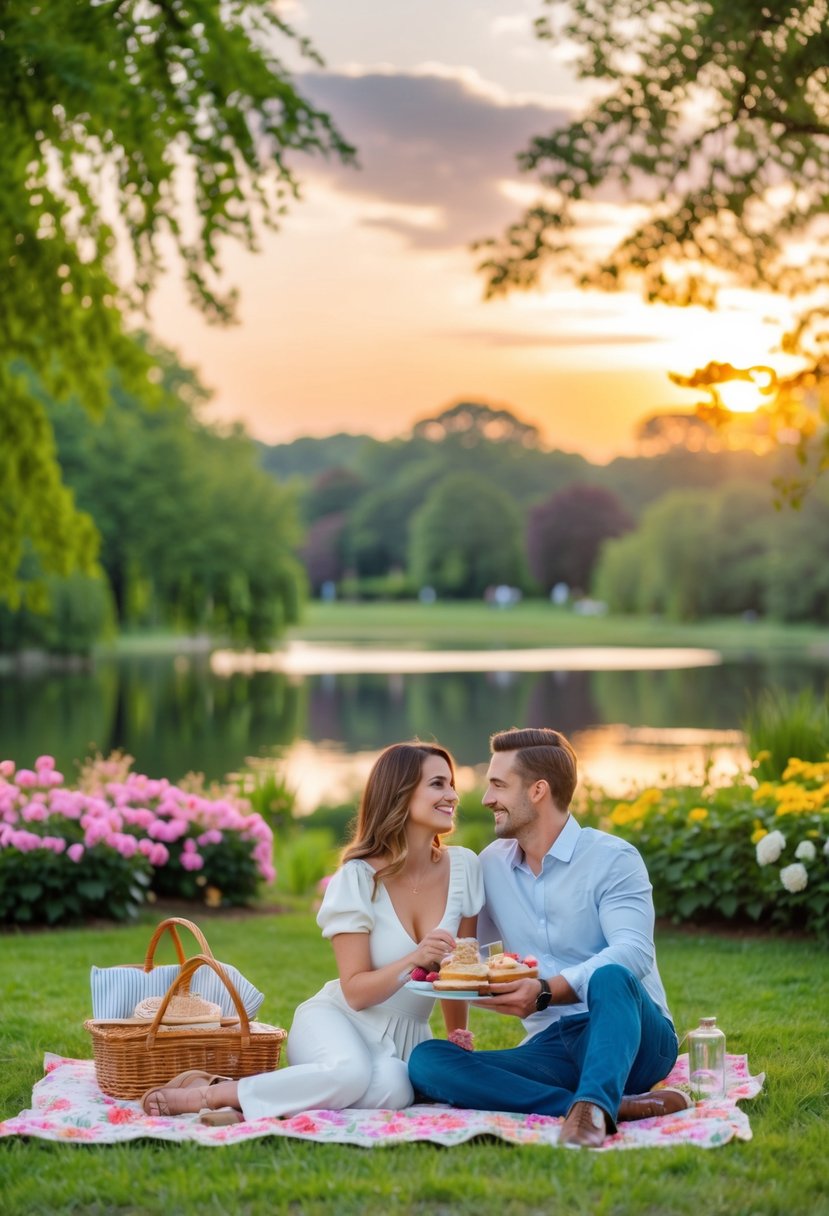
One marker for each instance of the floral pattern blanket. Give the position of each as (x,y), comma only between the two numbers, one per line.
(67,1105)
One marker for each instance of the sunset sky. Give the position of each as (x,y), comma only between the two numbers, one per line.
(365,312)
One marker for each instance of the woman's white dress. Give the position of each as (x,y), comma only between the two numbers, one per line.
(341,1057)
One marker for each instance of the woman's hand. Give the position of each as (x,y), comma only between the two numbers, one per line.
(434,946)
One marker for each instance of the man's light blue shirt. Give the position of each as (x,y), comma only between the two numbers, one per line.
(590,905)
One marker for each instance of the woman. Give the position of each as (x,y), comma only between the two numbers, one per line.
(398,901)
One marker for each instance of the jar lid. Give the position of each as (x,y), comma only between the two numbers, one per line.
(708,1022)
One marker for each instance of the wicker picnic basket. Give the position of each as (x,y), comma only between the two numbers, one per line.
(130,1059)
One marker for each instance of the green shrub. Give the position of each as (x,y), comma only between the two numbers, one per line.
(780,726)
(708,857)
(43,887)
(305,857)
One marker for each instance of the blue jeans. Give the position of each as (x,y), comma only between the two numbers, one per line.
(623,1044)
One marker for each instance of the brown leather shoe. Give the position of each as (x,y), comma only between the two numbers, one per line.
(584,1127)
(652,1104)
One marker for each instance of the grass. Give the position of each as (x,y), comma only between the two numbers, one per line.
(537,623)
(770,996)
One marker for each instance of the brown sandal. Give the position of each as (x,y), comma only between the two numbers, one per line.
(191,1079)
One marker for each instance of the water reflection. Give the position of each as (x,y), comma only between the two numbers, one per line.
(176,716)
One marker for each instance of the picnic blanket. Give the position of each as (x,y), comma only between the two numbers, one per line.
(67,1105)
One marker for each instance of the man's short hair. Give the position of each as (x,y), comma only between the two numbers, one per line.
(542,754)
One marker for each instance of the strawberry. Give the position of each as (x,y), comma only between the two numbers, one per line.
(531,961)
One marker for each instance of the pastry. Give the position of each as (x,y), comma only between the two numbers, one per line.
(504,968)
(462,969)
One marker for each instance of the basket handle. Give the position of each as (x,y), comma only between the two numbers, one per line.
(183,981)
(169,925)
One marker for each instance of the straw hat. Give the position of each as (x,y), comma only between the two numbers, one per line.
(185,1009)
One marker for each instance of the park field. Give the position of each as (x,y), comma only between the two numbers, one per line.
(770,996)
(538,623)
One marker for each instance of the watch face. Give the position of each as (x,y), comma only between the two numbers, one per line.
(543,1001)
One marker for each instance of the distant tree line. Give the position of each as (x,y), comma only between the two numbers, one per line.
(206,530)
(472,500)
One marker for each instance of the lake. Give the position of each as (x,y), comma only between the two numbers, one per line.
(634,717)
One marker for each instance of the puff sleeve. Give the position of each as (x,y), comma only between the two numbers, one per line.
(472,899)
(347,904)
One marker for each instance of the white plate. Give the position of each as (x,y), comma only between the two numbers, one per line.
(427,989)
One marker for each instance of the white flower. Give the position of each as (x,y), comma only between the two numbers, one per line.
(794,877)
(826,848)
(770,848)
(805,851)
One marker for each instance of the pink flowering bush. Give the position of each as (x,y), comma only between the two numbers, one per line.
(96,850)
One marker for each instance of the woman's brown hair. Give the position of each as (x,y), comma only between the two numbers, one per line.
(384,806)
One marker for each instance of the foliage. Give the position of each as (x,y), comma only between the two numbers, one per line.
(322,552)
(792,845)
(466,537)
(469,424)
(712,119)
(61,848)
(130,129)
(332,492)
(78,612)
(193,532)
(566,532)
(304,857)
(269,795)
(696,554)
(704,853)
(780,725)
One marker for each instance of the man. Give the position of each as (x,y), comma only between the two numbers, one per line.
(580,901)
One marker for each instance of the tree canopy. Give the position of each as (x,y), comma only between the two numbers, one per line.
(129,127)
(713,120)
(466,537)
(193,532)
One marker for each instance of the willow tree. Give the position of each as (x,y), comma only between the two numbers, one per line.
(712,117)
(128,127)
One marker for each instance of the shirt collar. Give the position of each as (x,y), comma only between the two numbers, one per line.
(562,848)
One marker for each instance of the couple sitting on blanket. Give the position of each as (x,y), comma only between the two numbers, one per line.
(599,1032)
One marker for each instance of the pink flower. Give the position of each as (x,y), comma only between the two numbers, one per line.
(75,852)
(6,768)
(192,861)
(44,764)
(34,812)
(159,856)
(26,779)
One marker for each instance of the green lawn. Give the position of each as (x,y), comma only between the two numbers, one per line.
(537,623)
(771,997)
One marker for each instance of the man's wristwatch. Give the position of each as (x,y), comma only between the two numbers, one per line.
(544,997)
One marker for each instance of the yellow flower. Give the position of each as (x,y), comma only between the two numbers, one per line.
(758,834)
(764,790)
(697,814)
(762,755)
(626,813)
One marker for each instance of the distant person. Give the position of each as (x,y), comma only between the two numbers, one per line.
(398,901)
(598,1024)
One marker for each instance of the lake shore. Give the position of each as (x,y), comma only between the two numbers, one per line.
(538,623)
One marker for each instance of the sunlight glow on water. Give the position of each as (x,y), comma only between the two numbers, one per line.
(303,658)
(618,759)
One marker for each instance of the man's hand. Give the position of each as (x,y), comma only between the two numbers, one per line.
(517,998)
